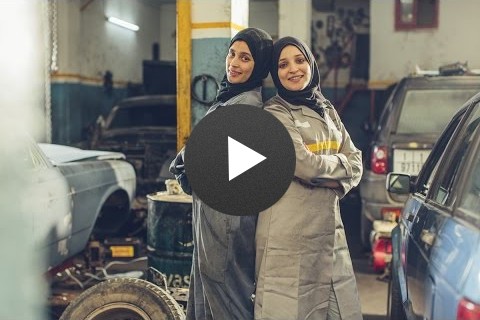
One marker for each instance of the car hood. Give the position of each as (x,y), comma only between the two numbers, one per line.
(58,154)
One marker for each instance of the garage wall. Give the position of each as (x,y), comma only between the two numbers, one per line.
(88,48)
(264,14)
(341,32)
(395,53)
(89,45)
(168,31)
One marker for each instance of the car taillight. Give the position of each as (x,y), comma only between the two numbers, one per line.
(391,214)
(379,160)
(468,310)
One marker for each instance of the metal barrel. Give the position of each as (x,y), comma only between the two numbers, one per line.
(169,236)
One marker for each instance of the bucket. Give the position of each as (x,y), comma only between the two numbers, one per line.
(169,236)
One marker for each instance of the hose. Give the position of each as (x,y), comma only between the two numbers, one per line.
(204,78)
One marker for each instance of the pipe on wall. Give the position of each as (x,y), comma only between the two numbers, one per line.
(184,69)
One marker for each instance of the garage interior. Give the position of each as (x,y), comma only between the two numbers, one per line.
(66,66)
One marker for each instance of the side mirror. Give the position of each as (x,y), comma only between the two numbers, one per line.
(399,183)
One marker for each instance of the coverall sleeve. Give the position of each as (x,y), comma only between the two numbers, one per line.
(351,157)
(310,165)
(177,167)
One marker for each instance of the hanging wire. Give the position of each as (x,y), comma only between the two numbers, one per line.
(50,41)
(54,35)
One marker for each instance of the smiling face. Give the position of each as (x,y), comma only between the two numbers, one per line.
(293,69)
(239,62)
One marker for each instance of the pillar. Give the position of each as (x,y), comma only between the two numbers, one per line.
(294,19)
(214,23)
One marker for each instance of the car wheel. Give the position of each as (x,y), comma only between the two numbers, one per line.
(365,229)
(394,306)
(124,298)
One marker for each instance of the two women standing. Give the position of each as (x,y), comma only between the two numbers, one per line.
(299,258)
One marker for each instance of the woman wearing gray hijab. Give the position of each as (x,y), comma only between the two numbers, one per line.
(304,270)
(223,267)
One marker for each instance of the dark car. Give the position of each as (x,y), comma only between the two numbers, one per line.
(145,130)
(415,114)
(436,245)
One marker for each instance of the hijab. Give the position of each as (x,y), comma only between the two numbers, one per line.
(260,44)
(310,96)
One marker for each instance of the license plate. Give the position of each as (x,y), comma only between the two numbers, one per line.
(409,161)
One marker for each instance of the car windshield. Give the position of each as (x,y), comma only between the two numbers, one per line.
(429,111)
(145,116)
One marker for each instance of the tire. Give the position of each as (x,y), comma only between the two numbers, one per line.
(365,229)
(124,298)
(394,307)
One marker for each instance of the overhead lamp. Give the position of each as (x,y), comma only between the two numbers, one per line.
(123,23)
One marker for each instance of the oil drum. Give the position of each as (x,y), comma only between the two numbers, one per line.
(169,236)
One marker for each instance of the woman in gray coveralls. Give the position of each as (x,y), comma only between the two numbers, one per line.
(304,269)
(223,264)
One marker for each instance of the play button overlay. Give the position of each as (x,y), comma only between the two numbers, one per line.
(239,160)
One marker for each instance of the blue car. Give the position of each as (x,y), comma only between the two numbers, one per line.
(436,245)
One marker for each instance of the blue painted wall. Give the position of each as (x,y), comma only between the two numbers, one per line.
(208,58)
(75,106)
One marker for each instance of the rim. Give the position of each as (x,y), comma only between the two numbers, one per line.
(118,311)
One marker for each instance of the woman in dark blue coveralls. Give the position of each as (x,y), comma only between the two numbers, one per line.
(223,266)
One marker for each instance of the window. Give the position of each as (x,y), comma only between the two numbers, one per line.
(470,203)
(416,14)
(427,175)
(429,111)
(471,199)
(445,194)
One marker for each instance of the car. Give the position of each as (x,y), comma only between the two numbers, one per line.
(72,195)
(416,112)
(435,268)
(144,128)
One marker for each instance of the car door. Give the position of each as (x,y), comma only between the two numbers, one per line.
(421,221)
(457,191)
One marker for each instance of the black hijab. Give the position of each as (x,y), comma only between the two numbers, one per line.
(260,44)
(311,96)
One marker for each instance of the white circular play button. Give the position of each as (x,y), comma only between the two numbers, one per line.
(239,160)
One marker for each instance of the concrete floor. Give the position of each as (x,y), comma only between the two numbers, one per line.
(373,292)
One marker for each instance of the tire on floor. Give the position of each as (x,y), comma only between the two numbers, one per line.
(124,298)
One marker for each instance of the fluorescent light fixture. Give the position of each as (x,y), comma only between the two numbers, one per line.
(123,23)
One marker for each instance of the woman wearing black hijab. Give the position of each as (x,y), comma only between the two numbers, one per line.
(223,265)
(303,266)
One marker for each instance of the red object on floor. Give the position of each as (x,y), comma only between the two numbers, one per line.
(381,253)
